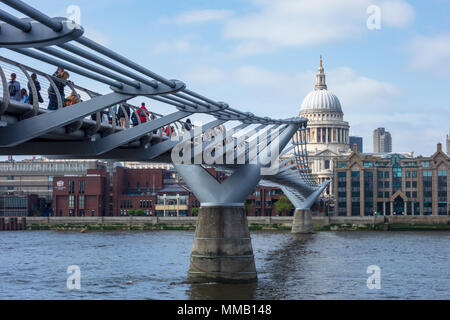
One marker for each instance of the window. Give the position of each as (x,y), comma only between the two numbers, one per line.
(397,172)
(414,174)
(71,201)
(427,173)
(442,173)
(408,184)
(10,178)
(414,184)
(386,184)
(386,174)
(380,174)
(81,185)
(342,165)
(71,186)
(408,174)
(425,164)
(327,164)
(81,202)
(368,164)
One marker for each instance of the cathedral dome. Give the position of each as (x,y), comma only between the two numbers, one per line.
(321,99)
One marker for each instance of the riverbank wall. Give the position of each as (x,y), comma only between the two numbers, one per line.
(255,223)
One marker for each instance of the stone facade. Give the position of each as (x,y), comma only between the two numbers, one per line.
(392,184)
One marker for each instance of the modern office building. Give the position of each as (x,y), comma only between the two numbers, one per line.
(36,176)
(327,133)
(382,141)
(19,205)
(392,184)
(358,141)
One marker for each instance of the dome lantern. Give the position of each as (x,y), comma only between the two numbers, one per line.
(320,99)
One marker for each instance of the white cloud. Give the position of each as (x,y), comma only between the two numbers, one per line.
(396,13)
(353,90)
(431,54)
(289,23)
(197,16)
(176,45)
(204,76)
(98,36)
(359,91)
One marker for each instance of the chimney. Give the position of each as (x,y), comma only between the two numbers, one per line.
(355,147)
(439,147)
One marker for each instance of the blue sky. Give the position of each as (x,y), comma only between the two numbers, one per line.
(261,56)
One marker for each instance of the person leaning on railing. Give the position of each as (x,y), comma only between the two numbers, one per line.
(59,77)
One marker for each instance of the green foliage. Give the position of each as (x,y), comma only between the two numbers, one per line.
(131,212)
(283,205)
(36,213)
(194,211)
(139,212)
(248,205)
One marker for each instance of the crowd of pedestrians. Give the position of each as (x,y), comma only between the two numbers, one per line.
(60,79)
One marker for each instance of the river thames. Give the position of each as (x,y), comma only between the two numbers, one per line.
(153,265)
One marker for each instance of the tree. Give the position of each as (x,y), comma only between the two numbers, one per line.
(131,212)
(35,213)
(194,211)
(248,206)
(139,212)
(283,205)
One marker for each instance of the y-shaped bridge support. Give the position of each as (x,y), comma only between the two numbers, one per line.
(222,249)
(302,222)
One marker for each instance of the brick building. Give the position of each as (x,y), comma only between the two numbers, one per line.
(84,195)
(368,184)
(151,192)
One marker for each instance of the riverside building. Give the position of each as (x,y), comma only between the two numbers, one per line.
(392,184)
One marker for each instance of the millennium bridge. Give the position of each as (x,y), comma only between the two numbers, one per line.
(250,149)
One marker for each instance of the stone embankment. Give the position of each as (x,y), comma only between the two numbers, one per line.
(255,223)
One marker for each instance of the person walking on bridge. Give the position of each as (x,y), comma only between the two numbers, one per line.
(14,88)
(143,113)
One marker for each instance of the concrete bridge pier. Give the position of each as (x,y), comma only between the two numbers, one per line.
(302,222)
(222,249)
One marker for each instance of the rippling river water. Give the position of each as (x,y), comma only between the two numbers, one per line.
(153,265)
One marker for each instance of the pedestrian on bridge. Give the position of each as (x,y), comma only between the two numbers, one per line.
(143,113)
(14,88)
(122,115)
(23,96)
(38,89)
